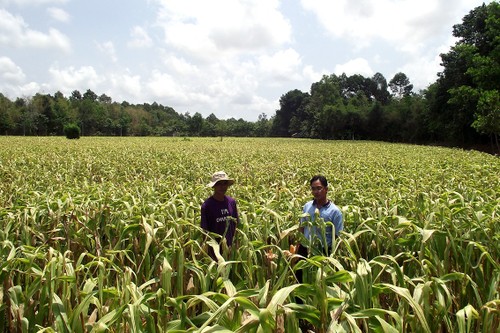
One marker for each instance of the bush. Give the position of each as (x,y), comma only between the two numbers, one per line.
(72,131)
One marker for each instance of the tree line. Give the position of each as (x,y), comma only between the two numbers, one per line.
(44,114)
(462,107)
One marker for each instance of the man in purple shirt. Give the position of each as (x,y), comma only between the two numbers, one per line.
(219,213)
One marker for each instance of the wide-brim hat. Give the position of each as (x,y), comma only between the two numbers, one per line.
(219,176)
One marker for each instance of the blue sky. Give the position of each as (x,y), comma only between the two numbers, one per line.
(232,58)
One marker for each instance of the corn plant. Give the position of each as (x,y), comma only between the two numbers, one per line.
(103,235)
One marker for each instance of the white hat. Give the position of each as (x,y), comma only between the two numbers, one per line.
(218,176)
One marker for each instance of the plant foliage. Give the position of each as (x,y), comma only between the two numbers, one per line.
(104,235)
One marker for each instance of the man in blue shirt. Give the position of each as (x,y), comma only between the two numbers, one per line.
(323,209)
(319,210)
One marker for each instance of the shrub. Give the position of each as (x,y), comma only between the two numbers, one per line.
(72,131)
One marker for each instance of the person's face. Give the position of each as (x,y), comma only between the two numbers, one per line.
(318,190)
(221,187)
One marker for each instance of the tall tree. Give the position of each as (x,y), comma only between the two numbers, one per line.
(90,95)
(291,105)
(103,98)
(477,94)
(42,105)
(263,126)
(485,73)
(195,124)
(210,126)
(29,116)
(400,85)
(6,121)
(87,109)
(380,89)
(75,96)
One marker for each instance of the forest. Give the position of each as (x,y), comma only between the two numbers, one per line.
(461,108)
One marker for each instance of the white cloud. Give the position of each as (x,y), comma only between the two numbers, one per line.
(206,30)
(364,21)
(68,79)
(310,75)
(108,48)
(163,85)
(409,25)
(10,72)
(11,26)
(251,108)
(284,65)
(15,32)
(127,85)
(423,70)
(58,14)
(54,39)
(204,87)
(180,66)
(29,89)
(355,66)
(140,38)
(313,75)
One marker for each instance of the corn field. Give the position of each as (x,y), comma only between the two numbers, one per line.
(103,235)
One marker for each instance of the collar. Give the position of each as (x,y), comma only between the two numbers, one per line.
(328,203)
(223,200)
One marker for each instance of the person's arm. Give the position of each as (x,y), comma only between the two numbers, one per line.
(204,220)
(237,224)
(338,222)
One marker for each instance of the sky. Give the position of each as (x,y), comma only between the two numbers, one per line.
(232,58)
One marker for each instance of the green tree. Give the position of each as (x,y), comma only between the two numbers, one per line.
(379,89)
(376,122)
(87,110)
(263,126)
(357,109)
(103,98)
(75,96)
(28,116)
(331,122)
(210,126)
(488,115)
(195,124)
(325,107)
(357,84)
(450,123)
(485,74)
(239,127)
(124,121)
(400,85)
(6,110)
(62,112)
(42,106)
(90,95)
(465,102)
(292,106)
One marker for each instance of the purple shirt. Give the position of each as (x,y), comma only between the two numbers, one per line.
(215,215)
